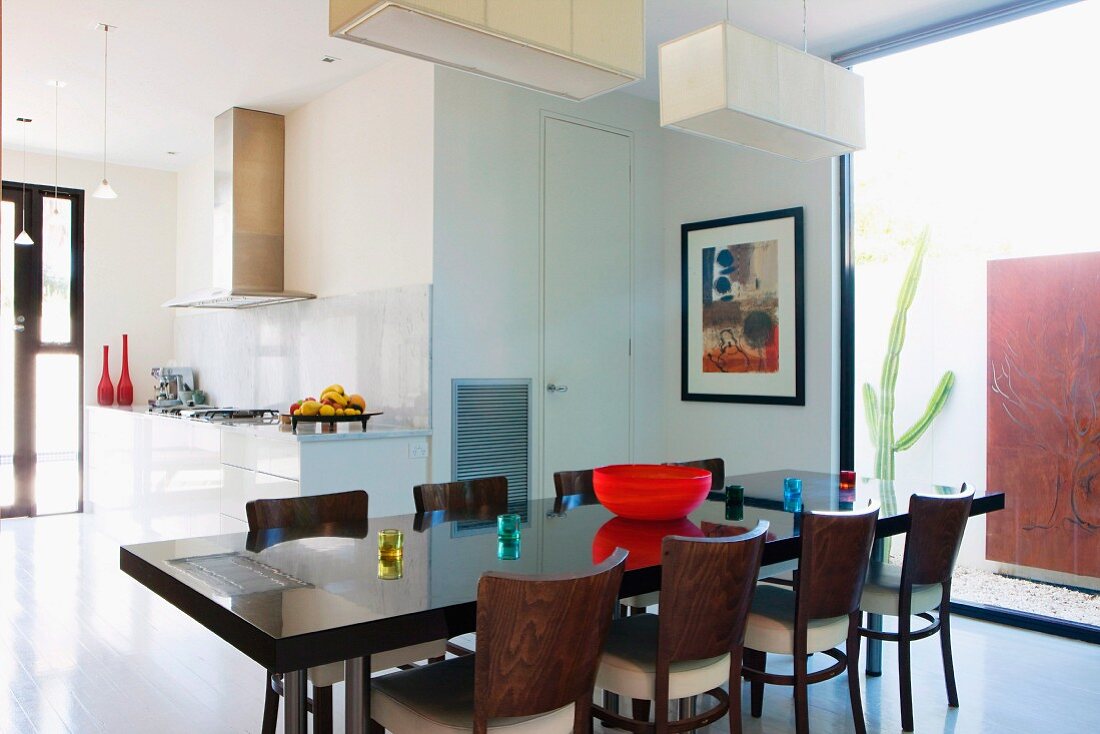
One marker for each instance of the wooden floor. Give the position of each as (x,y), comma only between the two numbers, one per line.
(86,649)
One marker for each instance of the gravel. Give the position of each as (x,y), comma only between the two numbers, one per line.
(1036,597)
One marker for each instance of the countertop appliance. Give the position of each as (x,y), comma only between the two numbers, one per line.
(175,386)
(222,415)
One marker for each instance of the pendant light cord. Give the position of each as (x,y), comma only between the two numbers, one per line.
(24,197)
(56,135)
(106,28)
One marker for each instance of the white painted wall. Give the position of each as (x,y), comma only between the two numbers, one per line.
(486,297)
(195,226)
(703,180)
(129,262)
(359,164)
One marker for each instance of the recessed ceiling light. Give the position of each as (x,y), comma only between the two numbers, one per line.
(172,152)
(329,59)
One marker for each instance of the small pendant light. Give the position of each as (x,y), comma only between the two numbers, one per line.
(104,190)
(24,238)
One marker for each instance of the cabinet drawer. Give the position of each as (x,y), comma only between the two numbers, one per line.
(277,457)
(237,488)
(228,524)
(269,487)
(238,449)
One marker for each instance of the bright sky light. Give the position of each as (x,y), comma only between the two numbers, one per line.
(990,139)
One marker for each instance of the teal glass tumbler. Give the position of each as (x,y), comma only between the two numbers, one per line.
(508,549)
(508,526)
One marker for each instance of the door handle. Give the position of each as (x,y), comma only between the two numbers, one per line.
(556,388)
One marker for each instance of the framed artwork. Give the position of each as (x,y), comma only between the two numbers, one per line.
(741,287)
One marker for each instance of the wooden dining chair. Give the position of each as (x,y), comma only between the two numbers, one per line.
(580,482)
(304,513)
(695,645)
(817,614)
(921,584)
(716,467)
(488,495)
(573,482)
(540,638)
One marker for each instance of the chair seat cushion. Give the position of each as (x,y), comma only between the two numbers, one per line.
(333,673)
(440,698)
(771,624)
(641,601)
(629,663)
(883,587)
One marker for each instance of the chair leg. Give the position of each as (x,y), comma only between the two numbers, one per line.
(757,660)
(801,695)
(322,710)
(948,662)
(271,707)
(905,673)
(734,713)
(851,649)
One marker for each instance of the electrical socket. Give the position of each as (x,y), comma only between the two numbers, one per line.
(418,450)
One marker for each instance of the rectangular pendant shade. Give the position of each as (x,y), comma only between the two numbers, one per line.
(726,83)
(570,48)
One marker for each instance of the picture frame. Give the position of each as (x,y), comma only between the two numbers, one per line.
(742,331)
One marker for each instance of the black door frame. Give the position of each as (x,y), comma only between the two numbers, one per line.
(886,47)
(28,290)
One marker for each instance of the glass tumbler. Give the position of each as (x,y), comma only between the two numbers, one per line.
(391,544)
(508,526)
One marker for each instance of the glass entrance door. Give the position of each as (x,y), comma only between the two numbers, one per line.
(41,351)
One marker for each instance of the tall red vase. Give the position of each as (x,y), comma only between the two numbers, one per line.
(105,394)
(125,387)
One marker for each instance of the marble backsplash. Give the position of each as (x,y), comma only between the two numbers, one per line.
(375,343)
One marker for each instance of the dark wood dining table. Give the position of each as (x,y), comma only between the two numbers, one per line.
(293,600)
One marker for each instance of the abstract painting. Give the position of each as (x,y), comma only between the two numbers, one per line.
(1043,412)
(742,309)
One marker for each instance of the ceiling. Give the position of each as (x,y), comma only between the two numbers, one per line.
(175,64)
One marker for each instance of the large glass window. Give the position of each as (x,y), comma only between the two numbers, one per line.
(977,301)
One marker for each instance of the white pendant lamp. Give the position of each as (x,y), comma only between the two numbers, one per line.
(23,238)
(104,190)
(725,83)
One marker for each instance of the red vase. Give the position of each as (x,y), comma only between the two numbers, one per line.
(125,387)
(105,395)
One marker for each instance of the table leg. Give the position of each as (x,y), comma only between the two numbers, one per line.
(357,695)
(874,621)
(294,691)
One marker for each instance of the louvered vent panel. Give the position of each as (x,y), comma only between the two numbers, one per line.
(492,434)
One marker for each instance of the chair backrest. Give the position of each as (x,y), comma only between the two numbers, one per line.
(539,639)
(716,467)
(573,482)
(706,592)
(832,565)
(935,535)
(307,511)
(489,494)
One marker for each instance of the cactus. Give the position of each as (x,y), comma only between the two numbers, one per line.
(879,408)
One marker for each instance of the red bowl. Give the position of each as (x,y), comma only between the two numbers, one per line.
(642,538)
(651,491)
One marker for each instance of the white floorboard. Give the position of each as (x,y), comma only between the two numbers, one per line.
(87,649)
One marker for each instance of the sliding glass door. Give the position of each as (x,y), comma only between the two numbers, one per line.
(976,318)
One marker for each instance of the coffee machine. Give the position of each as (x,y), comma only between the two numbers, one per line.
(175,386)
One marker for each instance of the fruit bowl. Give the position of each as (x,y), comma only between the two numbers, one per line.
(651,491)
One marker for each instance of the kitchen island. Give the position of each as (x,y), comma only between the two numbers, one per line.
(169,477)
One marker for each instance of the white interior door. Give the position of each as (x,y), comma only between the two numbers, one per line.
(587,297)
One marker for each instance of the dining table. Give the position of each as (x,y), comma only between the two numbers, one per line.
(293,599)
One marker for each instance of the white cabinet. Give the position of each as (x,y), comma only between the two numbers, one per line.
(172,478)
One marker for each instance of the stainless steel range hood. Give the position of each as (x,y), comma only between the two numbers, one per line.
(248,214)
